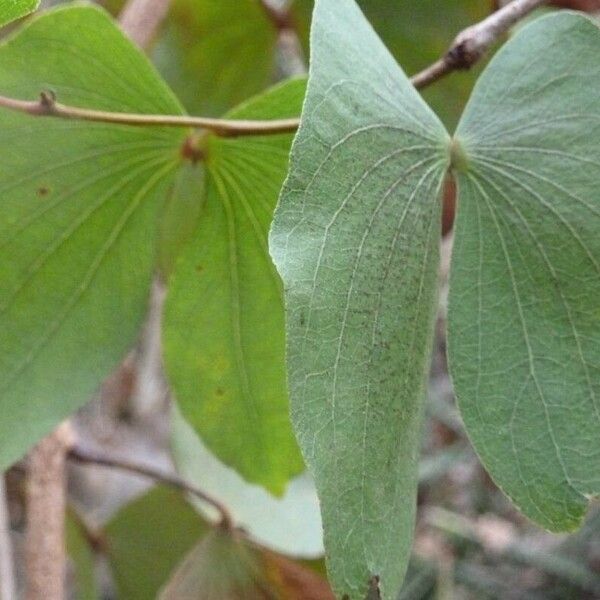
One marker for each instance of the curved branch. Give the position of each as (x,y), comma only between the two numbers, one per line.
(470,45)
(89,457)
(47,106)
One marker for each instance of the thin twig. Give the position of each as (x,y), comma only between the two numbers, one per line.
(86,456)
(290,56)
(47,106)
(280,17)
(468,47)
(141,19)
(471,44)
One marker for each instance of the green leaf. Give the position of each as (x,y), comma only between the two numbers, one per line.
(524,339)
(10,10)
(78,210)
(355,239)
(147,540)
(216,53)
(180,215)
(290,524)
(224,324)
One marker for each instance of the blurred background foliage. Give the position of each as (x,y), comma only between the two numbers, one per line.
(131,541)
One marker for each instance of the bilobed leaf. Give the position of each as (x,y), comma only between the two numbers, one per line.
(216,53)
(290,524)
(524,317)
(78,211)
(224,324)
(14,9)
(355,239)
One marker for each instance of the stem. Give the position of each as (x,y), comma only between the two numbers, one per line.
(471,44)
(7,572)
(140,20)
(280,17)
(47,106)
(468,47)
(46,505)
(85,456)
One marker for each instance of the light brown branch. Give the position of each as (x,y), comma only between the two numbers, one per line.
(7,573)
(280,17)
(470,45)
(141,19)
(86,456)
(46,504)
(47,106)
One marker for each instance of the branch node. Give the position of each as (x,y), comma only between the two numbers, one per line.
(48,100)
(192,150)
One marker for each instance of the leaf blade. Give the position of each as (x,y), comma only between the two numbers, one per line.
(78,202)
(10,10)
(531,183)
(366,144)
(223,328)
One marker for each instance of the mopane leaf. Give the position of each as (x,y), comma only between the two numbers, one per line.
(224,325)
(355,238)
(78,210)
(14,9)
(524,316)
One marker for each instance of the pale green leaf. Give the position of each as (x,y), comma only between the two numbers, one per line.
(14,9)
(524,311)
(355,238)
(216,53)
(224,325)
(290,524)
(78,211)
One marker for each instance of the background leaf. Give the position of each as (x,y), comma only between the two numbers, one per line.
(14,9)
(223,326)
(523,318)
(355,238)
(78,210)
(226,566)
(216,53)
(290,524)
(148,538)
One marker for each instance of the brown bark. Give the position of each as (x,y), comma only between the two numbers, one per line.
(141,19)
(46,504)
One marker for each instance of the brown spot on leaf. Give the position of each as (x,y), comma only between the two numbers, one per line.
(43,191)
(220,392)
